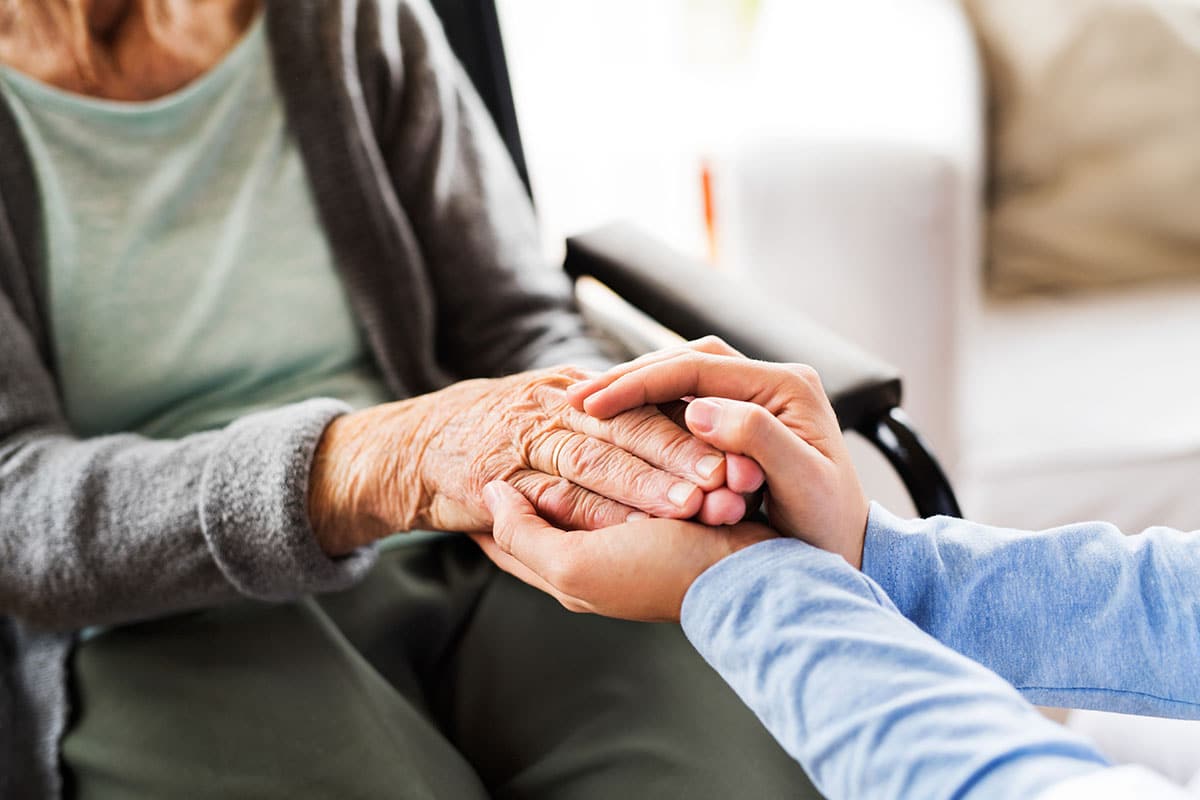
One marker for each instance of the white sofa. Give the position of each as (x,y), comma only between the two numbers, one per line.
(855,190)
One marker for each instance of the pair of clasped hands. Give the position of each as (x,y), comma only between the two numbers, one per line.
(773,422)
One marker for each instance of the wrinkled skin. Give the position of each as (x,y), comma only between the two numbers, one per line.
(637,570)
(775,414)
(423,463)
(120,49)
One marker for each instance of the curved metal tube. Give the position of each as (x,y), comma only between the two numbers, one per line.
(893,434)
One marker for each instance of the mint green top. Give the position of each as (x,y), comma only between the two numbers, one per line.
(189,282)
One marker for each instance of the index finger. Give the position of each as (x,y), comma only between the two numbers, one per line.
(689,375)
(713,345)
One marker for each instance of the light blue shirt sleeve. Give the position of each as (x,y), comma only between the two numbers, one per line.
(870,705)
(1079,617)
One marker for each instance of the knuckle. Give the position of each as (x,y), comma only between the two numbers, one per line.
(643,481)
(544,386)
(550,496)
(589,426)
(679,452)
(555,572)
(570,372)
(563,502)
(562,572)
(753,423)
(713,344)
(653,433)
(573,605)
(593,460)
(535,441)
(629,477)
(595,510)
(572,462)
(640,425)
(578,455)
(528,484)
(806,374)
(547,394)
(503,536)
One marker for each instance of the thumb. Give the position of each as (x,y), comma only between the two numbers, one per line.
(748,429)
(511,513)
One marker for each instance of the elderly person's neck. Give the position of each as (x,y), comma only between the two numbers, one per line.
(120,49)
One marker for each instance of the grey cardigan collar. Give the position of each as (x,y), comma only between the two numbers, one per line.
(333,66)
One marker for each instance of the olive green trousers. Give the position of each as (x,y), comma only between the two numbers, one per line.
(436,677)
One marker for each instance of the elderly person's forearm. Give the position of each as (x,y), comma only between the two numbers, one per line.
(119,528)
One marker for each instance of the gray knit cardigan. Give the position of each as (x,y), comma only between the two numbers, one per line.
(435,242)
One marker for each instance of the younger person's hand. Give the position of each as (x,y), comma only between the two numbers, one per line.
(638,571)
(776,414)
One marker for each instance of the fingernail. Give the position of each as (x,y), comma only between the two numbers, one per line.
(491,494)
(708,465)
(637,516)
(703,416)
(580,386)
(680,493)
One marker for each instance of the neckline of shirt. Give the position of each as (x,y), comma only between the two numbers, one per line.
(202,87)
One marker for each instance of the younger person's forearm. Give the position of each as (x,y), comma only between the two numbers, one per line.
(1080,616)
(867,703)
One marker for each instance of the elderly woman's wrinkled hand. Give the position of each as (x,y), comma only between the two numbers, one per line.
(773,415)
(776,414)
(423,463)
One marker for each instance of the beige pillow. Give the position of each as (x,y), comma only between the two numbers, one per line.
(1095,141)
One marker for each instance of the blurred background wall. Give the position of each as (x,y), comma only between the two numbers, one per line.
(620,100)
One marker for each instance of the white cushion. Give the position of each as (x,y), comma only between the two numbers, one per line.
(1170,747)
(1085,407)
(1115,783)
(1095,114)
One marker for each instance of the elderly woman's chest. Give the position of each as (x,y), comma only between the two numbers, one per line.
(120,49)
(187,279)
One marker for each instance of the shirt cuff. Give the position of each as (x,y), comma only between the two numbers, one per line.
(254,506)
(897,556)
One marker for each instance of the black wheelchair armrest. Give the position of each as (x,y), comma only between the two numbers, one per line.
(694,300)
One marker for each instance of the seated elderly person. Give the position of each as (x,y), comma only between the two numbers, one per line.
(245,253)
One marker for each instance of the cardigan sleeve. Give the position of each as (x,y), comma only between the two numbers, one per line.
(118,528)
